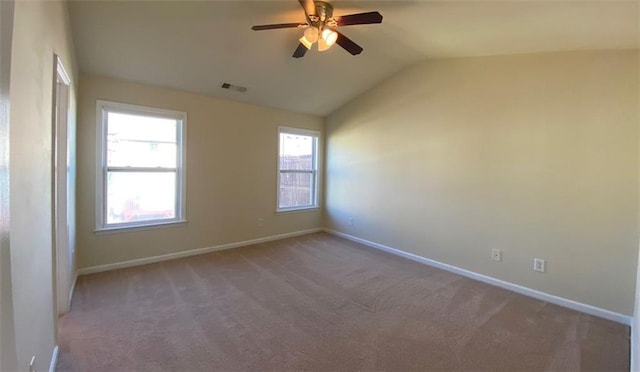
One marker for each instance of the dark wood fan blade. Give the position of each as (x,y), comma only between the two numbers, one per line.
(359,19)
(300,51)
(277,25)
(309,7)
(348,44)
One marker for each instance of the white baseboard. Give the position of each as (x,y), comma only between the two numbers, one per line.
(54,359)
(635,342)
(564,302)
(571,304)
(192,252)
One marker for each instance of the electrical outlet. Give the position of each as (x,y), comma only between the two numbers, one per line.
(496,254)
(32,367)
(539,265)
(260,222)
(350,221)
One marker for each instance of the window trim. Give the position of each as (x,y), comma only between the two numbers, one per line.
(316,171)
(102,108)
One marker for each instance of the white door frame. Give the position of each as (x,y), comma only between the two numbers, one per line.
(62,239)
(8,356)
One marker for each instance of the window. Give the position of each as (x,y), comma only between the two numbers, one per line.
(297,169)
(141,176)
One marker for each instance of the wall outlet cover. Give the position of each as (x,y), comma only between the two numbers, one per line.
(539,265)
(496,255)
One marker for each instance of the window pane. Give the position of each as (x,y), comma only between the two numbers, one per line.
(296,151)
(296,190)
(141,141)
(141,196)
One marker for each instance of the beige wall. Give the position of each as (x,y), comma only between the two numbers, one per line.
(41,28)
(536,155)
(231,173)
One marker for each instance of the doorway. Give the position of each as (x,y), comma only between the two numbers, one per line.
(63,191)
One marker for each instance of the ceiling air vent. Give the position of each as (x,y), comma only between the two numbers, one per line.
(230,86)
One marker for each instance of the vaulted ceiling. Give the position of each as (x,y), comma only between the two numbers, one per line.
(197,45)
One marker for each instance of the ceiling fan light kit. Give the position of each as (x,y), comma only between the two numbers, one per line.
(329,36)
(311,34)
(320,27)
(325,42)
(306,42)
(323,45)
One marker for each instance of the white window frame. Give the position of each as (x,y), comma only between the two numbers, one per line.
(315,171)
(102,109)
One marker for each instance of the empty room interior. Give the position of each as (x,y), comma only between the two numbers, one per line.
(307,185)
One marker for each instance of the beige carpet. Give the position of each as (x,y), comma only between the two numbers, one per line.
(319,302)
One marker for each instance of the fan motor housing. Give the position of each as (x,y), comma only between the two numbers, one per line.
(325,12)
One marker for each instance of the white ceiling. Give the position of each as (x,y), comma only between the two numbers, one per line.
(195,46)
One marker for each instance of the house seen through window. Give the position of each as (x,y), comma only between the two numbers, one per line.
(141,173)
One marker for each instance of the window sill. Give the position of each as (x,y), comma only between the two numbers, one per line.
(293,210)
(131,228)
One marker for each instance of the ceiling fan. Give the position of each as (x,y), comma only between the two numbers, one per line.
(321,27)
